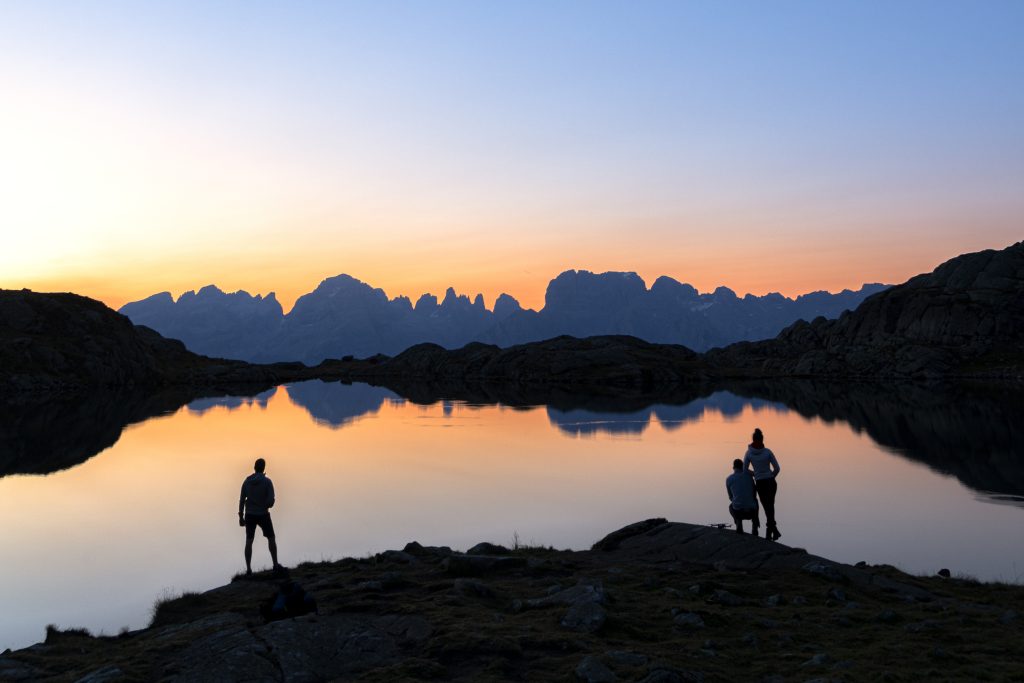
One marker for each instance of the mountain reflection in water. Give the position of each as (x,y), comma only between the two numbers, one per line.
(970,432)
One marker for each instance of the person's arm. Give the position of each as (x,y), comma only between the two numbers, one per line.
(728,490)
(774,464)
(746,461)
(241,502)
(270,494)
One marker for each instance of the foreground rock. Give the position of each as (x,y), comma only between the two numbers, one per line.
(655,601)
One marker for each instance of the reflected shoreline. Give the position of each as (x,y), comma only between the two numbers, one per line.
(969,431)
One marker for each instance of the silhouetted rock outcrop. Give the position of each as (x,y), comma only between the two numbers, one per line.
(53,343)
(654,601)
(609,361)
(965,317)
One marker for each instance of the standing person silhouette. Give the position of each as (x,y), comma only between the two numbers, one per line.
(255,502)
(762,461)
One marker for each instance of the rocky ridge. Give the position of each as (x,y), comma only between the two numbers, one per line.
(964,318)
(654,601)
(344,316)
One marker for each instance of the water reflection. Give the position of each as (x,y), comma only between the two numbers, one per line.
(335,405)
(588,423)
(51,435)
(581,422)
(202,405)
(509,460)
(970,432)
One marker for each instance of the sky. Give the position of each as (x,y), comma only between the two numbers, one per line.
(784,146)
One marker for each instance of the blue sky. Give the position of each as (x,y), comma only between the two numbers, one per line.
(490,145)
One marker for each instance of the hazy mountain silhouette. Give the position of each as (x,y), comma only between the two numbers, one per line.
(344,316)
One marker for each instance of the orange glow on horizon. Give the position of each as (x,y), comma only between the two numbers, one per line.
(520,273)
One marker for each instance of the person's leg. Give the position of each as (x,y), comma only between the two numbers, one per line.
(736,519)
(267,525)
(272,544)
(766,494)
(248,550)
(766,490)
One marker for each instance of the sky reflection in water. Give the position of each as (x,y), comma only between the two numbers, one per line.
(94,545)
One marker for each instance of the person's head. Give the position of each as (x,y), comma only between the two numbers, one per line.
(737,464)
(260,465)
(758,436)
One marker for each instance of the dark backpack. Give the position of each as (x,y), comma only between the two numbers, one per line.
(289,601)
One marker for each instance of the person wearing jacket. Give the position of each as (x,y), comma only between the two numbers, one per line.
(761,461)
(254,505)
(742,498)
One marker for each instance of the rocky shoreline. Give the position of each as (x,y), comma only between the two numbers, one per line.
(655,601)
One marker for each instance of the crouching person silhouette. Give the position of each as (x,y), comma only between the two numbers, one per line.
(254,511)
(742,497)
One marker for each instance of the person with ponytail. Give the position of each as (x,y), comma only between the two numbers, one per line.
(765,469)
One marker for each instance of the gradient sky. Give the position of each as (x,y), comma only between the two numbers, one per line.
(784,146)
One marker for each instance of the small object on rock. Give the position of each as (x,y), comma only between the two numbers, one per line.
(861,564)
(591,670)
(689,620)
(944,573)
(586,617)
(291,600)
(696,589)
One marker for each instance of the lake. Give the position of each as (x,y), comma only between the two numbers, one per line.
(908,476)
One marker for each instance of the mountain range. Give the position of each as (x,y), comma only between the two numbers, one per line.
(344,316)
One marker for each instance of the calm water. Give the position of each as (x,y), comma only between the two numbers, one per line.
(358,469)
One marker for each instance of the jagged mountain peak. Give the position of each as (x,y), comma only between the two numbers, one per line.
(346,316)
